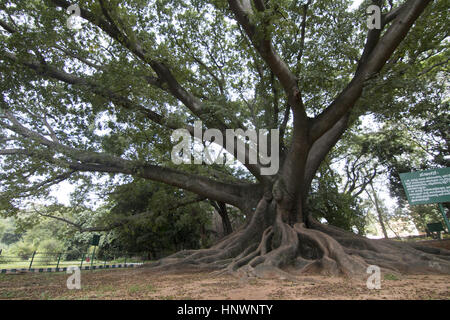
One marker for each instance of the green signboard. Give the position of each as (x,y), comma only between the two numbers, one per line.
(428,186)
(95,240)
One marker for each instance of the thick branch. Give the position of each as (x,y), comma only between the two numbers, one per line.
(264,46)
(303,32)
(100,162)
(7,27)
(375,61)
(321,148)
(8,152)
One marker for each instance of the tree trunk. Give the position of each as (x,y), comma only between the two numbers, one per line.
(226,223)
(221,209)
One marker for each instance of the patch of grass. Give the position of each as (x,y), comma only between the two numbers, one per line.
(9,295)
(141,288)
(150,288)
(105,288)
(390,276)
(134,289)
(86,287)
(44,296)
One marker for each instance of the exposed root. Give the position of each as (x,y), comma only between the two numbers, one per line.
(402,257)
(331,259)
(283,251)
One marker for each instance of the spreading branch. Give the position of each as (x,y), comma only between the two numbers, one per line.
(375,56)
(90,161)
(122,221)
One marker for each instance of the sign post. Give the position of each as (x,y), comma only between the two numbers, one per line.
(445,217)
(95,242)
(428,186)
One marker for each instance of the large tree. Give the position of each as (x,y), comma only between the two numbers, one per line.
(106,98)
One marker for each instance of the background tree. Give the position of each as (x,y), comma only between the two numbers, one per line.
(8,233)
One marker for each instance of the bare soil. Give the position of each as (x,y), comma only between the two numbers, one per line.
(139,284)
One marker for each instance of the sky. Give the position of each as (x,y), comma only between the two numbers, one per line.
(356,3)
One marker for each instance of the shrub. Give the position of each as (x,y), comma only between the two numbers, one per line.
(50,249)
(51,246)
(22,249)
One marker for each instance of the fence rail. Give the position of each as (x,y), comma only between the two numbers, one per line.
(64,259)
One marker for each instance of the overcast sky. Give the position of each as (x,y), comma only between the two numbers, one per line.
(356,3)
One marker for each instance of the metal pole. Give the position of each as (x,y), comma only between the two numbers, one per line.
(31,263)
(59,259)
(82,258)
(445,217)
(93,255)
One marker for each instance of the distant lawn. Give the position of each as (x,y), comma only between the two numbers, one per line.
(62,264)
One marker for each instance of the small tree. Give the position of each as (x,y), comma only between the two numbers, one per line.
(22,249)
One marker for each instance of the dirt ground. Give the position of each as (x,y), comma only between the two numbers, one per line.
(138,284)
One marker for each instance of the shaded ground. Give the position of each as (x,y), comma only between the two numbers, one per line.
(146,284)
(444,244)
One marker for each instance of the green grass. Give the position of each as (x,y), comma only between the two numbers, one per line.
(9,295)
(390,276)
(62,264)
(45,296)
(141,288)
(105,288)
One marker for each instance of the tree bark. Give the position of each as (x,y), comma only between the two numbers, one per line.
(221,209)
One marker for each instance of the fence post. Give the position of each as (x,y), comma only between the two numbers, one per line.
(82,258)
(32,258)
(92,260)
(59,259)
